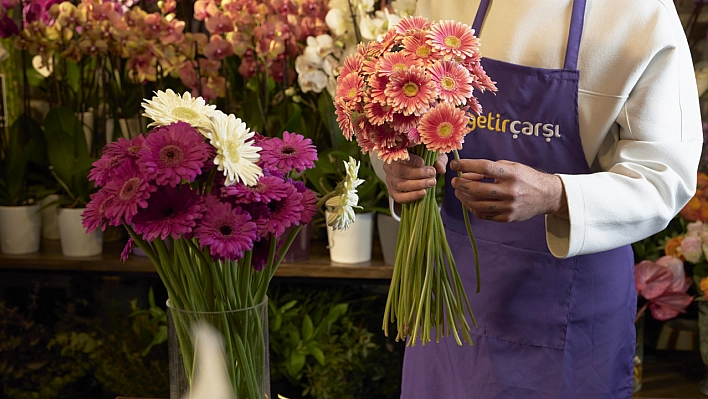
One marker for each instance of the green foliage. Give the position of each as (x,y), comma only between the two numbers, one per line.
(68,156)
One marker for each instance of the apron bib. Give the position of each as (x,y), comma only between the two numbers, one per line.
(547,327)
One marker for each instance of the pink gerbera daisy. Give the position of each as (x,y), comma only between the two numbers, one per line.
(473,106)
(394,62)
(452,80)
(225,230)
(377,88)
(384,136)
(105,168)
(403,123)
(411,91)
(350,87)
(394,154)
(309,202)
(124,148)
(363,137)
(267,188)
(94,216)
(454,39)
(127,249)
(346,117)
(260,253)
(284,212)
(171,212)
(378,113)
(352,64)
(480,79)
(413,137)
(389,40)
(443,128)
(172,153)
(416,46)
(293,151)
(130,189)
(412,24)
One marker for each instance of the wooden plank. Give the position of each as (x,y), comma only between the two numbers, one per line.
(49,258)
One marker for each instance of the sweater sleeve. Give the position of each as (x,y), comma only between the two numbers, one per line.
(649,172)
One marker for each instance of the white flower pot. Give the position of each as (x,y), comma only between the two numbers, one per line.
(388,234)
(50,224)
(20,229)
(130,127)
(110,129)
(75,241)
(87,119)
(352,245)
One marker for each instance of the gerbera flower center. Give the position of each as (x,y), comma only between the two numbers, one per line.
(448,83)
(129,188)
(352,92)
(134,150)
(399,67)
(233,149)
(226,230)
(185,114)
(410,89)
(452,41)
(445,129)
(422,51)
(168,212)
(171,155)
(105,204)
(288,151)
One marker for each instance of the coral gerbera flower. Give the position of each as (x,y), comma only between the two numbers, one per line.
(452,80)
(377,88)
(268,188)
(235,155)
(172,153)
(168,107)
(404,123)
(171,212)
(378,113)
(391,63)
(411,91)
(454,39)
(293,151)
(94,216)
(347,117)
(130,189)
(412,24)
(225,230)
(443,128)
(394,154)
(350,87)
(352,64)
(417,46)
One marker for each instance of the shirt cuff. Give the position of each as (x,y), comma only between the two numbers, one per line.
(566,236)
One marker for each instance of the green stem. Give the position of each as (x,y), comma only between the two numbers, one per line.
(466,215)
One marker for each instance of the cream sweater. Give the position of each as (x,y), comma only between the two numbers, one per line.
(640,122)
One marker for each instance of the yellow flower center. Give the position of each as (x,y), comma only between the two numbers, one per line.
(410,89)
(452,41)
(422,51)
(352,92)
(448,83)
(184,114)
(398,67)
(445,129)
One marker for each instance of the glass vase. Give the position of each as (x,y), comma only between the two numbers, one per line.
(245,335)
(639,355)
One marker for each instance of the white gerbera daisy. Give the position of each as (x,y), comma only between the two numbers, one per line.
(168,107)
(235,155)
(341,206)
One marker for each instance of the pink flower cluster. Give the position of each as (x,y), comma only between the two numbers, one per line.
(159,184)
(266,35)
(414,86)
(663,284)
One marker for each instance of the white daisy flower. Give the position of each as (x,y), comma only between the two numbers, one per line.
(168,107)
(341,206)
(235,155)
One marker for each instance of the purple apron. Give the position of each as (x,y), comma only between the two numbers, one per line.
(547,327)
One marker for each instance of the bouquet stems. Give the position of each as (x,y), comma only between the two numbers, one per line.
(426,290)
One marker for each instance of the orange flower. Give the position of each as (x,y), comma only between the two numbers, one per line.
(703,285)
(672,245)
(696,209)
(702,185)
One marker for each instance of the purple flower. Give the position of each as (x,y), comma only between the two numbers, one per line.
(225,230)
(259,256)
(8,27)
(267,188)
(127,250)
(94,216)
(309,202)
(131,190)
(172,153)
(284,212)
(171,212)
(35,10)
(260,214)
(125,148)
(293,151)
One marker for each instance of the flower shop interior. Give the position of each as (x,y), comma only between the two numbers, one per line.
(101,223)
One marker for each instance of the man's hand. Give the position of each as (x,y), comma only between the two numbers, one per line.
(518,192)
(407,180)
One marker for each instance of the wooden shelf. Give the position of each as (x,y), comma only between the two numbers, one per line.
(49,258)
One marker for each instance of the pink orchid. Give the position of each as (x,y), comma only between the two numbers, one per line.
(219,23)
(173,32)
(218,48)
(664,284)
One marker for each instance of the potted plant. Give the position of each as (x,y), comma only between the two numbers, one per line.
(21,188)
(70,163)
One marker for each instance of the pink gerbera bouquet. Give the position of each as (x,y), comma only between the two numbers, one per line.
(214,207)
(411,92)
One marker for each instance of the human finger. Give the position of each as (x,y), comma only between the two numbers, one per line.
(490,169)
(441,164)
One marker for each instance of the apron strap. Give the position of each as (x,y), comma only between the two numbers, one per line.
(577,20)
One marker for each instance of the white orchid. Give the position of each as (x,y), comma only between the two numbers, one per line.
(341,206)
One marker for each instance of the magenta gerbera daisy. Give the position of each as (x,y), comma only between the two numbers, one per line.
(411,91)
(350,87)
(130,189)
(172,153)
(267,188)
(171,212)
(412,24)
(453,39)
(443,128)
(284,212)
(293,151)
(309,201)
(394,62)
(94,216)
(261,251)
(105,168)
(225,230)
(124,148)
(452,80)
(127,249)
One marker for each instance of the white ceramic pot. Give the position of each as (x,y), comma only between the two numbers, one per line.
(130,127)
(50,225)
(75,241)
(20,229)
(352,245)
(87,118)
(387,227)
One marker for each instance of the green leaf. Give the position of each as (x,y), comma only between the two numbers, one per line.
(288,305)
(295,363)
(292,124)
(318,354)
(307,328)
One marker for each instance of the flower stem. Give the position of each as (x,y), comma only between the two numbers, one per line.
(466,215)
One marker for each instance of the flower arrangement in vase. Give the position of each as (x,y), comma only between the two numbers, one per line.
(209,202)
